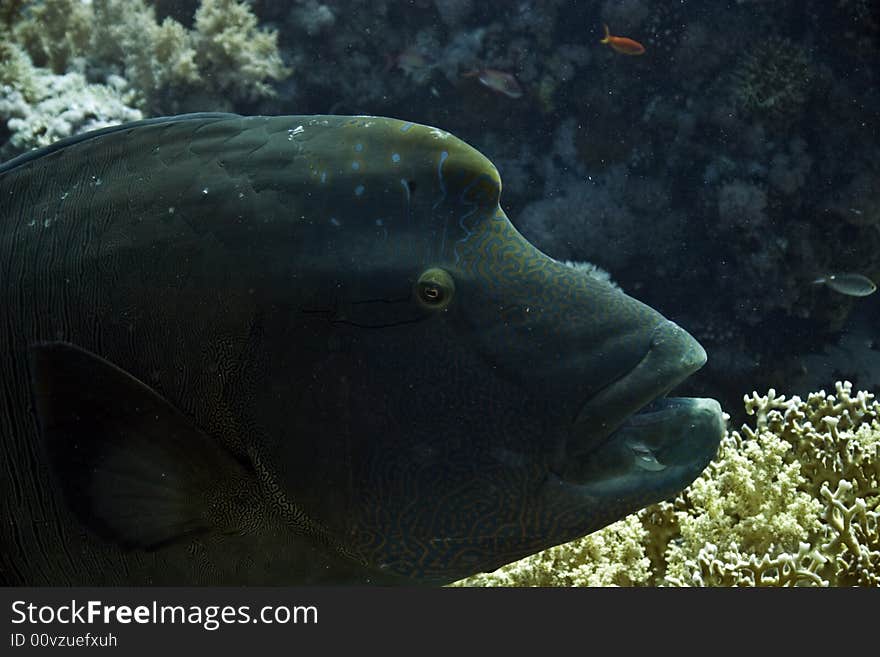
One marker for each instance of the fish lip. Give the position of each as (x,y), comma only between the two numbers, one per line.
(672,356)
(654,454)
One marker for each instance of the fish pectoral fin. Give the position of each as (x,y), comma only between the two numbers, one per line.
(134,468)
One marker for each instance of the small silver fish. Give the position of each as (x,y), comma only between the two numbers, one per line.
(853,285)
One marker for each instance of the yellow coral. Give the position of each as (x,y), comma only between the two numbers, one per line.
(16,69)
(55,31)
(852,536)
(234,50)
(227,55)
(828,442)
(614,556)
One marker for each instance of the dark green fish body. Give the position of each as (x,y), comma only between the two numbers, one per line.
(281,350)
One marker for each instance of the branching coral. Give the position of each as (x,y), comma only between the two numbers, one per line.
(154,58)
(237,55)
(794,500)
(836,438)
(225,57)
(614,556)
(42,107)
(773,80)
(16,70)
(55,31)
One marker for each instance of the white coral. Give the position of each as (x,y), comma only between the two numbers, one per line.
(64,105)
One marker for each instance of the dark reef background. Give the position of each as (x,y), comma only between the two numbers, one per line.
(714,177)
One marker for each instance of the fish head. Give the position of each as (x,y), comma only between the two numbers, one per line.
(495,401)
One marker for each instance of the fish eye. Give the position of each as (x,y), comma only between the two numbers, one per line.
(435,288)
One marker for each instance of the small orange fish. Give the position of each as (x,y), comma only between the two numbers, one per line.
(498,81)
(623,45)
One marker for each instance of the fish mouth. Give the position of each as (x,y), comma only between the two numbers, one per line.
(636,400)
(652,456)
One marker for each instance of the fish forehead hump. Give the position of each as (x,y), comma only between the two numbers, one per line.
(426,190)
(381,146)
(281,151)
(419,174)
(420,183)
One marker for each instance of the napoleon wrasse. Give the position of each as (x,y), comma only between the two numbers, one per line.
(310,349)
